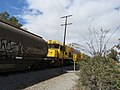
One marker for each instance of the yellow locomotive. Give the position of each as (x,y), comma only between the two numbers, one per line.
(55,51)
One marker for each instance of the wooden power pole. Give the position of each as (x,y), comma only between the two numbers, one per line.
(66,23)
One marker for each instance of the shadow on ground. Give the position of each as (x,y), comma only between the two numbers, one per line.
(23,80)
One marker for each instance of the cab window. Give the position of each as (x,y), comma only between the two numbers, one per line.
(49,45)
(65,53)
(55,46)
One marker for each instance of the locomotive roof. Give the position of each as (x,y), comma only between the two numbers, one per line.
(53,42)
(57,42)
(19,28)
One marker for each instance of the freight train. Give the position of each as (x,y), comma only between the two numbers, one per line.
(21,49)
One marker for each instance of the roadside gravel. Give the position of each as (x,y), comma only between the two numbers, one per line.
(66,81)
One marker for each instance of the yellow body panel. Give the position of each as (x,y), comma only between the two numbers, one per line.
(53,42)
(68,54)
(52,53)
(79,56)
(82,56)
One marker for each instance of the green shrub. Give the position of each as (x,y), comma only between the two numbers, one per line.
(99,73)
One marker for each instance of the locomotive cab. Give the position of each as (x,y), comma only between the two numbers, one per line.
(55,49)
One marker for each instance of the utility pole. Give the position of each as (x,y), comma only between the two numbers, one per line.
(66,23)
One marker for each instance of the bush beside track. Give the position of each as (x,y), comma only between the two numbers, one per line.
(99,73)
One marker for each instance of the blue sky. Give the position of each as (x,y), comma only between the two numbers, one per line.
(13,7)
(42,17)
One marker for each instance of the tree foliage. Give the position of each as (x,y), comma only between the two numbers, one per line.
(118,46)
(4,16)
(113,54)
